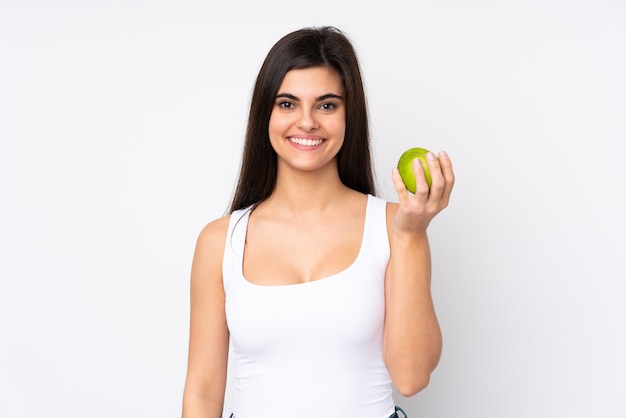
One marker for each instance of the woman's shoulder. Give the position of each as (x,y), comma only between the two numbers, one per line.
(392,207)
(390,210)
(212,236)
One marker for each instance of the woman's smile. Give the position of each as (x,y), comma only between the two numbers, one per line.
(306,143)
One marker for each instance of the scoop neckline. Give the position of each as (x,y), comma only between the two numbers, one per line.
(245,218)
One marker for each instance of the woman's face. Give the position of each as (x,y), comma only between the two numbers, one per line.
(308,121)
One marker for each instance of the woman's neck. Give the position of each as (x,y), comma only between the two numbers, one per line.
(308,191)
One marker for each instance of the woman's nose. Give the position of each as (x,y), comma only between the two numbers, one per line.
(307,121)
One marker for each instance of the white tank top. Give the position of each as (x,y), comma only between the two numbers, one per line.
(311,350)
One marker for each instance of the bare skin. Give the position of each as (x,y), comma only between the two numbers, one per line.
(309,216)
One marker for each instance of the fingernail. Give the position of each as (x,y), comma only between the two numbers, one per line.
(430,156)
(443,155)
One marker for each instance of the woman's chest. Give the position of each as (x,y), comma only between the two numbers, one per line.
(289,254)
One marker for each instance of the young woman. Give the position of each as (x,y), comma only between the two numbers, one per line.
(322,288)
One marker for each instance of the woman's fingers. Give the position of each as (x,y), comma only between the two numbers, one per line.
(398,184)
(421,186)
(436,176)
(448,174)
(442,177)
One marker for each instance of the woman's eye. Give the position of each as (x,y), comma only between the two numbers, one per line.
(327,106)
(286,105)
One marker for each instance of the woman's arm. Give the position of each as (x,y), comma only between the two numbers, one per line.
(208,333)
(412,339)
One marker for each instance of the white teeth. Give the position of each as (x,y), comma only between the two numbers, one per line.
(306,142)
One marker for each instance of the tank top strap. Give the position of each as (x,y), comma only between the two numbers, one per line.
(376,239)
(235,246)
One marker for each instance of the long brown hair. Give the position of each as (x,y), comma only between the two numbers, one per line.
(309,47)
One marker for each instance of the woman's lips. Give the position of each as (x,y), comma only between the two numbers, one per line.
(306,142)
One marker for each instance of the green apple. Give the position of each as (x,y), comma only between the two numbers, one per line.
(405,166)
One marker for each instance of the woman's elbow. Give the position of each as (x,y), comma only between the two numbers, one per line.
(411,385)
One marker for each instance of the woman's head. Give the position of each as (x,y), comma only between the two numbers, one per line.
(305,48)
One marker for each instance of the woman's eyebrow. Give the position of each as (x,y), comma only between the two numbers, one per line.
(329,96)
(318,99)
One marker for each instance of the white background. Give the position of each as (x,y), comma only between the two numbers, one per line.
(121,126)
